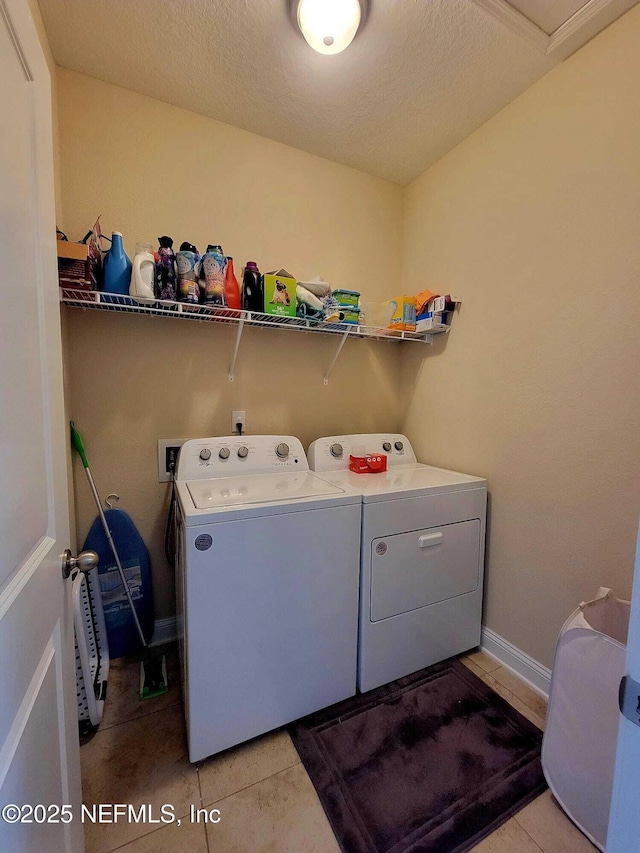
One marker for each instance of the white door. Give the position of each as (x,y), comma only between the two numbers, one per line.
(624,819)
(39,753)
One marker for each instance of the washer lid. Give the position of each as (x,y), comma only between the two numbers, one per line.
(258,489)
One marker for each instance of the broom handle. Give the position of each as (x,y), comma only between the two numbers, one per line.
(117,558)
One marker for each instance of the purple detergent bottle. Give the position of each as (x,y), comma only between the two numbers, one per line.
(166,277)
(252,290)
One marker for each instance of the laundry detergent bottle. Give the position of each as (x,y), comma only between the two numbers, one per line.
(188,263)
(252,290)
(166,278)
(231,288)
(117,267)
(214,268)
(142,273)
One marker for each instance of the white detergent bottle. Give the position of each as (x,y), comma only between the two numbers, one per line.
(142,272)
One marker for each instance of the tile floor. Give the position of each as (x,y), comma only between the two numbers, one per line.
(266,801)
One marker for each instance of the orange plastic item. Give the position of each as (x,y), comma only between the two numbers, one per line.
(368,464)
(231,289)
(422,298)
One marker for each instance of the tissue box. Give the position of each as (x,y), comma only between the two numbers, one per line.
(279,294)
(403,314)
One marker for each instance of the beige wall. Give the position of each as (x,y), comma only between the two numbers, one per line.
(534,220)
(153,169)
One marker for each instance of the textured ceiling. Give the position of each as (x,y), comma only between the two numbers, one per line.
(420,77)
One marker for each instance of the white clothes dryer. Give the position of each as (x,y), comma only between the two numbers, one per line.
(267,588)
(422,555)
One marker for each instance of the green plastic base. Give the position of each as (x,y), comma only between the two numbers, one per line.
(153,678)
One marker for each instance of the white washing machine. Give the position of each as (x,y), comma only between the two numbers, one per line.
(267,588)
(422,555)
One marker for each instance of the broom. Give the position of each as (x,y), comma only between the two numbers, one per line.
(153,670)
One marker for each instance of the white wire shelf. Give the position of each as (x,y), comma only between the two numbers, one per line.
(91,300)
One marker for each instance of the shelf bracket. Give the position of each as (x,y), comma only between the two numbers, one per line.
(335,358)
(236,348)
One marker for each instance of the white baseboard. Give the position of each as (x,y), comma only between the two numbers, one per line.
(164,631)
(538,676)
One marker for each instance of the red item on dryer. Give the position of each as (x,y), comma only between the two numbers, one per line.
(371,464)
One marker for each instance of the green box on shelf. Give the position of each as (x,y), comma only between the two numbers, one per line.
(351,316)
(280,294)
(347,297)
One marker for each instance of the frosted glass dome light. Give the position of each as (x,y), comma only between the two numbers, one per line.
(329,26)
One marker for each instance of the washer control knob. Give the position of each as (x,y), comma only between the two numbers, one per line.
(205,454)
(336,450)
(224,453)
(282,450)
(399,445)
(386,446)
(243,452)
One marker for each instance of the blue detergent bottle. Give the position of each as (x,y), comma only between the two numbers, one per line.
(117,267)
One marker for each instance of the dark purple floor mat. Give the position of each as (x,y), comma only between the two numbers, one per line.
(432,762)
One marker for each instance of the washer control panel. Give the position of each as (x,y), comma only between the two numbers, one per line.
(332,452)
(234,455)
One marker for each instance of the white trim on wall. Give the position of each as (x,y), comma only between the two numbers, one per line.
(516,21)
(587,22)
(538,676)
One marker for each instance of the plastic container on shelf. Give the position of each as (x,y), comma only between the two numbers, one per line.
(231,288)
(166,274)
(252,290)
(214,269)
(142,272)
(117,267)
(188,264)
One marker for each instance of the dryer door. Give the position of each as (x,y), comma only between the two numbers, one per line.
(413,570)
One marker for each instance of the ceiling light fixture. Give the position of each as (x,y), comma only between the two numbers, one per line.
(329,26)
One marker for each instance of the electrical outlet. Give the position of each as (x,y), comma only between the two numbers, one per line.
(165,447)
(238,418)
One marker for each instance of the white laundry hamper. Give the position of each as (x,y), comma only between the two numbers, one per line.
(579,745)
(92,650)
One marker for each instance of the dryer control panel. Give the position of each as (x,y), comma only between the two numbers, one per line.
(332,452)
(234,455)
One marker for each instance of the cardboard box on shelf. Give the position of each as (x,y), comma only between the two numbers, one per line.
(349,315)
(443,303)
(280,294)
(73,265)
(403,314)
(433,323)
(349,298)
